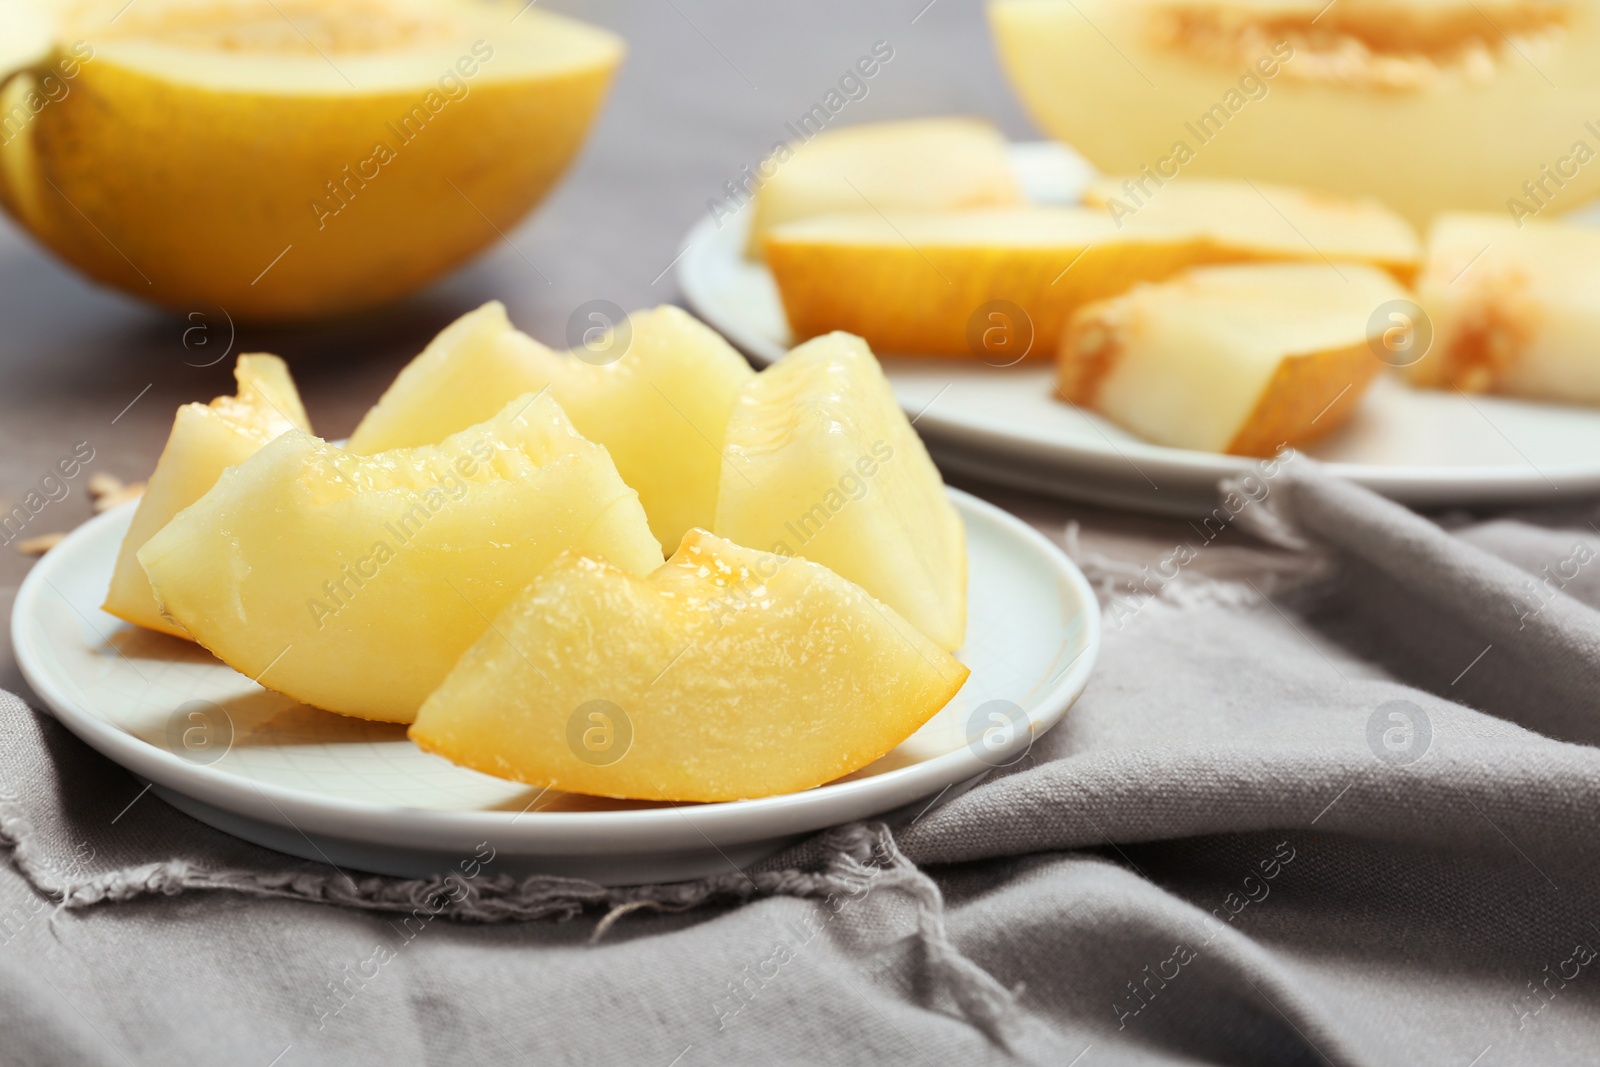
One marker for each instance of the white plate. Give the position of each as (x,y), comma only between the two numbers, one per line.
(1422,447)
(359,795)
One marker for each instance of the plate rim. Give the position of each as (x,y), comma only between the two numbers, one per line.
(989,441)
(616,833)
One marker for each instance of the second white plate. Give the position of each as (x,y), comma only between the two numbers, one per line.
(1421,447)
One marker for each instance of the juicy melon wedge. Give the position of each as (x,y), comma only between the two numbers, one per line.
(822,463)
(1237,359)
(926,164)
(353,583)
(727,674)
(206,440)
(466,375)
(660,409)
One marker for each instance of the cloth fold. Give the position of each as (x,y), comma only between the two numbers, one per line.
(1331,797)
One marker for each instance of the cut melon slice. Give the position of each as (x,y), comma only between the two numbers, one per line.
(1282,221)
(206,439)
(822,463)
(1514,310)
(466,375)
(353,583)
(938,283)
(919,283)
(660,408)
(728,673)
(919,164)
(1239,359)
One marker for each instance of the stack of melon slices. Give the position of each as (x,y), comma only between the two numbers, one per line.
(1218,315)
(483,559)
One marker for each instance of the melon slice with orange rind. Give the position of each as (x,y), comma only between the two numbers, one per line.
(726,674)
(1239,359)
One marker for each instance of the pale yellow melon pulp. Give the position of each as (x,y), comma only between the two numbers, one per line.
(726,674)
(1199,361)
(1296,223)
(1428,106)
(353,583)
(1514,310)
(206,439)
(661,408)
(916,164)
(334,155)
(821,462)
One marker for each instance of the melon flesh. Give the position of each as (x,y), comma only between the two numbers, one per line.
(821,462)
(206,439)
(1515,310)
(1303,92)
(1280,221)
(353,583)
(728,673)
(1237,359)
(927,164)
(926,283)
(660,409)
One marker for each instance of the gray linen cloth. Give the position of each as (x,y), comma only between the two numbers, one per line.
(1330,798)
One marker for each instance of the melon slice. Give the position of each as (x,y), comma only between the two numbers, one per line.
(1238,359)
(1515,310)
(728,673)
(475,367)
(922,282)
(353,583)
(923,164)
(935,283)
(1282,221)
(206,439)
(822,463)
(660,408)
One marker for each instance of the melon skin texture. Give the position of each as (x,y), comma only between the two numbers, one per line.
(206,439)
(821,462)
(660,408)
(1480,94)
(205,156)
(726,674)
(353,583)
